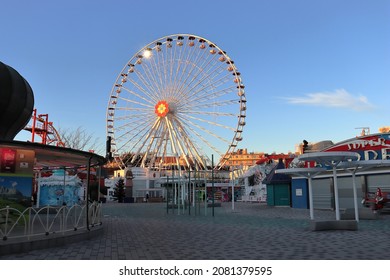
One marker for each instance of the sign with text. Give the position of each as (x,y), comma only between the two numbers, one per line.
(369,147)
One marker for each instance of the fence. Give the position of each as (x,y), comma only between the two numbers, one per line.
(49,220)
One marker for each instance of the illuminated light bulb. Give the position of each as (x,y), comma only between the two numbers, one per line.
(147,53)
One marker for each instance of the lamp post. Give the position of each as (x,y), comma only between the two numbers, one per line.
(88,186)
(212,180)
(167,193)
(233,195)
(233,191)
(189,191)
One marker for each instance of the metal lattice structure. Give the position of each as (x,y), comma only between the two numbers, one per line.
(41,127)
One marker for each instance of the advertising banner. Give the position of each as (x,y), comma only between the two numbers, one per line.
(370,147)
(16,177)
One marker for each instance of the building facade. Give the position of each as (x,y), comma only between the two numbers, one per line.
(242,158)
(368,147)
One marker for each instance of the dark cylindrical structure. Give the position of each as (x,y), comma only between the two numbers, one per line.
(16,102)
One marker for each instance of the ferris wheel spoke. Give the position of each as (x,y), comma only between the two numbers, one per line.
(204,89)
(190,126)
(221,103)
(127,110)
(178,67)
(146,85)
(131,137)
(154,74)
(148,147)
(216,136)
(187,117)
(129,128)
(204,140)
(165,62)
(147,95)
(208,95)
(150,82)
(131,118)
(160,145)
(210,77)
(135,94)
(207,113)
(196,79)
(164,69)
(146,75)
(185,78)
(152,69)
(143,105)
(208,70)
(141,141)
(217,80)
(169,61)
(194,70)
(156,67)
(183,140)
(155,142)
(210,105)
(173,143)
(193,151)
(176,144)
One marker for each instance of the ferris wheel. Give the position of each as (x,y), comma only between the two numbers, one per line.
(177,101)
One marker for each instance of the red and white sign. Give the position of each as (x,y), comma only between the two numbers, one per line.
(369,147)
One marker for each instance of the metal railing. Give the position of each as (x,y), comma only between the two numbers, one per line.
(48,220)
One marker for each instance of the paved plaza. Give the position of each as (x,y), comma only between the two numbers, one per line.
(145,231)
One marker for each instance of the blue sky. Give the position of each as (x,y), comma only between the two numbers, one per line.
(313,70)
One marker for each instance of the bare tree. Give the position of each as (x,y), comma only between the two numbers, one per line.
(79,139)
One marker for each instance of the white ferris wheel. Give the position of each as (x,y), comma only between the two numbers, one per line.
(177,101)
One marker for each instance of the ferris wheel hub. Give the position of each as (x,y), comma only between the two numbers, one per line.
(162,108)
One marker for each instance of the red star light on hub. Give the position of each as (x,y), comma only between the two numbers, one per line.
(161,109)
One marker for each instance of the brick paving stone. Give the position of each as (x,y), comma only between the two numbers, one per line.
(251,231)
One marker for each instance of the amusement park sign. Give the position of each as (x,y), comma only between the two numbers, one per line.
(369,147)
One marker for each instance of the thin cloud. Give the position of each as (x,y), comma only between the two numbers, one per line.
(339,98)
